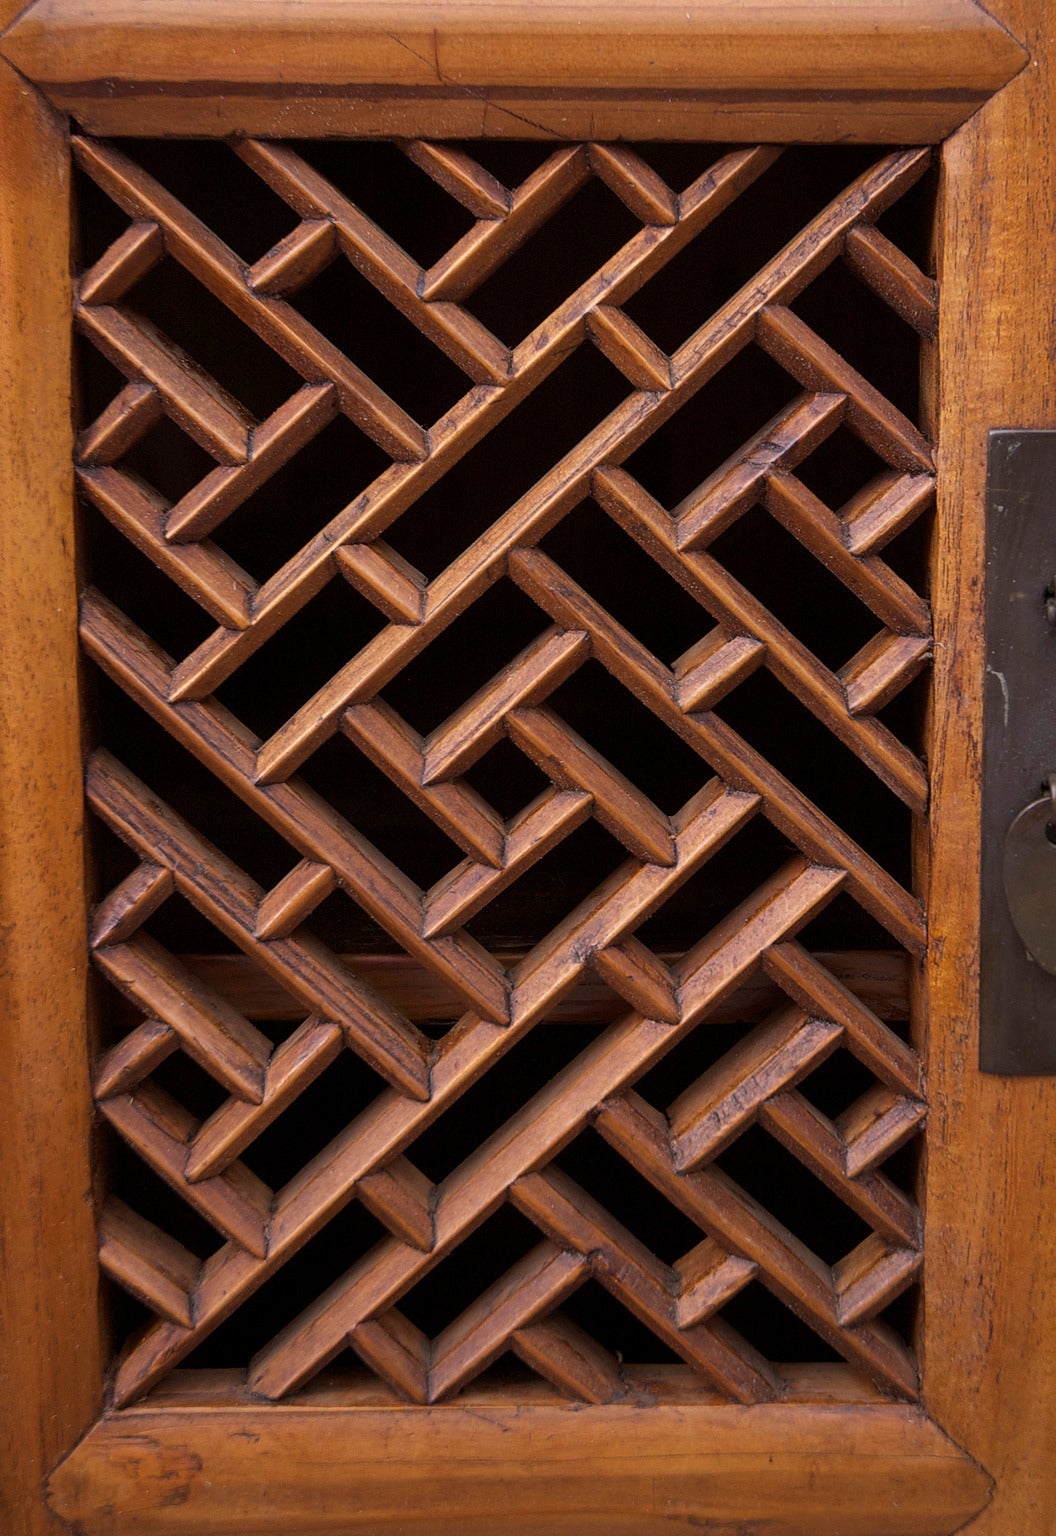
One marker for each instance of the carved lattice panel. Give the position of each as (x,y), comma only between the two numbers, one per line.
(603,945)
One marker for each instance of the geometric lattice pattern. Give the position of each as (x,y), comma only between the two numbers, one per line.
(763,1081)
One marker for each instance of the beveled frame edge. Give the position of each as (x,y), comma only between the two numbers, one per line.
(51,1364)
(57,1391)
(990,1242)
(887,71)
(816,1469)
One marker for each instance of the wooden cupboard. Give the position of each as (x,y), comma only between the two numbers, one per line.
(492,554)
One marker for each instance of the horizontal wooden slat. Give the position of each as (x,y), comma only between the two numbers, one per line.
(671,1467)
(880,978)
(891,71)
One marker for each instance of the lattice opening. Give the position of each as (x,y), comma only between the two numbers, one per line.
(349,1235)
(348,311)
(276,522)
(517,452)
(389,187)
(283,675)
(506,761)
(630,585)
(566,251)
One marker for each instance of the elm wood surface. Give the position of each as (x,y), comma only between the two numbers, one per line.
(816,1467)
(203,1162)
(990,1301)
(51,1345)
(1023,1501)
(899,72)
(880,977)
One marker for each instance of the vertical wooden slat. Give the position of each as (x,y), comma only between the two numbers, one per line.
(990,1237)
(50,1344)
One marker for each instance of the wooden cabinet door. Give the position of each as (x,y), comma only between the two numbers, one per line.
(492,668)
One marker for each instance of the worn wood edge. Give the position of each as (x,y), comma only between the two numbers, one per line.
(474,112)
(990,1195)
(50,1347)
(881,978)
(920,66)
(799,1469)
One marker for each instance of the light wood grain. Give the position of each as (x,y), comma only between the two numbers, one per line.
(791,1470)
(50,1343)
(990,1237)
(897,73)
(903,71)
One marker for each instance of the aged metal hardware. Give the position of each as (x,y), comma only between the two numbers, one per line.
(1018,939)
(1030,877)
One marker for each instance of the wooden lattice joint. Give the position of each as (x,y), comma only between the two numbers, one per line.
(763,1081)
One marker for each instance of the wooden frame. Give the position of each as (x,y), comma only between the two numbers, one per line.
(827,1459)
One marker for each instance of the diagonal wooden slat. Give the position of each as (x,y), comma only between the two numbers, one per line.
(236,1202)
(801,976)
(147,1262)
(891,274)
(625,1266)
(881,669)
(130,903)
(640,977)
(709,1277)
(719,745)
(478,724)
(207,413)
(570,1359)
(635,183)
(785,440)
(545,1123)
(785,1266)
(491,240)
(383,576)
(305,820)
(402,1197)
(296,260)
(126,421)
(295,897)
(219,270)
(398,751)
(397,1351)
(220,1040)
(230,899)
(295,1064)
(628,347)
(371,1157)
(876,1125)
(273,444)
(460,175)
(890,598)
(717,340)
(722,1103)
(129,258)
(381,261)
(530,836)
(134,1057)
(204,572)
(572,763)
(737,610)
(531,1289)
(883,508)
(811,361)
(870,1278)
(813,1139)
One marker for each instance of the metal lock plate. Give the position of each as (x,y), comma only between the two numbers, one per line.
(1018,933)
(1030,879)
